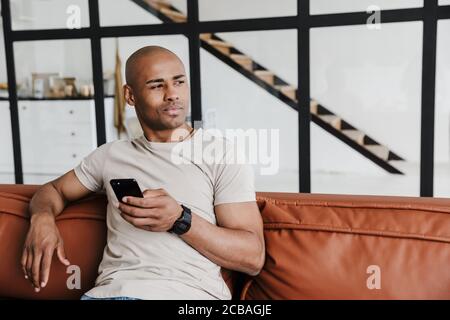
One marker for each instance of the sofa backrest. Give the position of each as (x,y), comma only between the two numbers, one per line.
(353,247)
(317,247)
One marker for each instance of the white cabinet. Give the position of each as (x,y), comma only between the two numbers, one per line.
(38,178)
(6,153)
(55,136)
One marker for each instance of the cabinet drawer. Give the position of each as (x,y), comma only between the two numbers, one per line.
(75,133)
(53,160)
(58,134)
(56,111)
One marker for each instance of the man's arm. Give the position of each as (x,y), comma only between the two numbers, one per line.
(43,237)
(236,243)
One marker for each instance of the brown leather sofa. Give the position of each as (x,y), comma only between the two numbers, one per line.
(318,247)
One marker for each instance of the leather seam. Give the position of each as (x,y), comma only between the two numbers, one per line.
(356,206)
(331,228)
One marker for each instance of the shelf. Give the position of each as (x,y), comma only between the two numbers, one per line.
(51,99)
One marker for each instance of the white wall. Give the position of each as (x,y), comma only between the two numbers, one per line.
(46,14)
(333,6)
(236,102)
(123,12)
(237,9)
(372,78)
(181,5)
(442,115)
(276,49)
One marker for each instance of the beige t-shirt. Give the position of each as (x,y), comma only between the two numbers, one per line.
(160,265)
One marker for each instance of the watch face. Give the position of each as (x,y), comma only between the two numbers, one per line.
(183,225)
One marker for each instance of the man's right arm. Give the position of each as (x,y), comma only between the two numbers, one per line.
(43,237)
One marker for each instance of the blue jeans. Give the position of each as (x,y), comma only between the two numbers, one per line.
(85,297)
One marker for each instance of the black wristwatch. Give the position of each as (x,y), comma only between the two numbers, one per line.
(183,223)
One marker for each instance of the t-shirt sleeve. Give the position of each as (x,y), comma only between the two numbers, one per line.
(90,170)
(234,183)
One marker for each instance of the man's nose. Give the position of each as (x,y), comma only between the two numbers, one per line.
(171,94)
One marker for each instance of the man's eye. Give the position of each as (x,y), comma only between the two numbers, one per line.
(156,87)
(179,82)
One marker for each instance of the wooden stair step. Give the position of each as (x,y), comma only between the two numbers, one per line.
(205,36)
(240,57)
(243,60)
(355,135)
(265,75)
(313,106)
(380,151)
(288,91)
(223,47)
(218,43)
(159,4)
(335,121)
(174,15)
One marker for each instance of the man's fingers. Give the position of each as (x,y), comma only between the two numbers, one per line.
(29,264)
(139,222)
(138,212)
(23,262)
(148,202)
(134,221)
(45,266)
(148,193)
(62,254)
(35,269)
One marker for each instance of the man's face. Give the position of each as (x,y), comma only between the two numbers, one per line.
(161,91)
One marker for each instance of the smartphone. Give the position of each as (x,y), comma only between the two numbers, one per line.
(126,187)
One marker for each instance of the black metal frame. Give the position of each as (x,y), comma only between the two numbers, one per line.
(302,22)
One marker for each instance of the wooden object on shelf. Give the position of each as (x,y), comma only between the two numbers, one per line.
(70,87)
(41,83)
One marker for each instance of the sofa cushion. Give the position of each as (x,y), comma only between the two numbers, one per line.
(82,227)
(345,247)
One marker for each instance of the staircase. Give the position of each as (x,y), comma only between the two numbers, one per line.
(274,85)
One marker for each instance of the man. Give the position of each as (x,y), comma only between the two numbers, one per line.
(148,256)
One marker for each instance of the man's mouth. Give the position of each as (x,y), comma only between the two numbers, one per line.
(173,110)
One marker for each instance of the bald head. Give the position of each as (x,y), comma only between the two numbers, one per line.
(144,58)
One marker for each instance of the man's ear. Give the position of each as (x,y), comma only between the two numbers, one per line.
(128,94)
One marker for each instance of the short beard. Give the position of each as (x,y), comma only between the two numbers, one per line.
(158,126)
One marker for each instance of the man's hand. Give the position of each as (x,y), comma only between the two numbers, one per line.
(157,211)
(42,239)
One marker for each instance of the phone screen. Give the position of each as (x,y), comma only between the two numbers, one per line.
(126,187)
